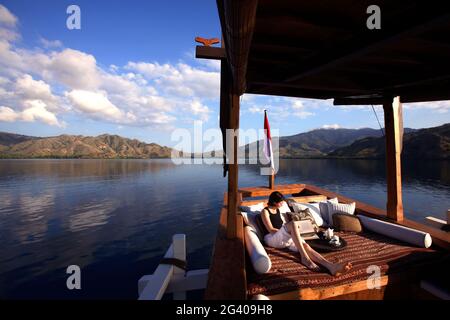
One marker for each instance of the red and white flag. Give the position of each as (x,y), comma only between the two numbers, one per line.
(268,151)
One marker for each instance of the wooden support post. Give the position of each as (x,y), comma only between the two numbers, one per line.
(392,119)
(233,170)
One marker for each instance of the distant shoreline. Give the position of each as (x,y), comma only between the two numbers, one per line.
(7,157)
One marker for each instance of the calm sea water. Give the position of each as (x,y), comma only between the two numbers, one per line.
(115,218)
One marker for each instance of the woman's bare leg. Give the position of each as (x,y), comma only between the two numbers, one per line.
(334,268)
(304,257)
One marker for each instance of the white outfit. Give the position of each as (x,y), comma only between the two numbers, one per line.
(281,239)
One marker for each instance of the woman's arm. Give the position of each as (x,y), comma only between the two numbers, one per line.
(266,220)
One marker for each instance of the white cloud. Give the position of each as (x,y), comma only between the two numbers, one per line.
(6,17)
(181,80)
(96,104)
(298,110)
(74,69)
(197,108)
(331,126)
(282,108)
(8,34)
(35,110)
(29,89)
(7,114)
(437,106)
(50,43)
(255,109)
(152,70)
(42,84)
(210,64)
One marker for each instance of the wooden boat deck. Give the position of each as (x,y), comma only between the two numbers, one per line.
(228,275)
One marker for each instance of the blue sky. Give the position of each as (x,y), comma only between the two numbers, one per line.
(131,71)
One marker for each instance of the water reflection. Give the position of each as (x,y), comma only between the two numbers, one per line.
(91,215)
(106,169)
(112,218)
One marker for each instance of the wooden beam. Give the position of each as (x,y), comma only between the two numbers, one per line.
(233,169)
(224,120)
(214,53)
(294,92)
(227,276)
(409,95)
(265,191)
(392,117)
(361,101)
(301,199)
(338,87)
(237,19)
(364,43)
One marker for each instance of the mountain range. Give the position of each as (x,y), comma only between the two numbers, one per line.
(429,143)
(104,146)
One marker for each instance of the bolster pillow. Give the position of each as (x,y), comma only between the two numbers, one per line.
(412,236)
(258,255)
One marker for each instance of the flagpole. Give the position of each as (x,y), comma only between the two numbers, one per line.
(272,175)
(272,180)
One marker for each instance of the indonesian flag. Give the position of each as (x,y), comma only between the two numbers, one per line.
(268,151)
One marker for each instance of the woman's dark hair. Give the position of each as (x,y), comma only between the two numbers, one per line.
(275,197)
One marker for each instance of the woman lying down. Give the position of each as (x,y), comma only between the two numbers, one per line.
(283,235)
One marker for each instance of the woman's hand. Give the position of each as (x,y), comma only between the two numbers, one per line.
(274,230)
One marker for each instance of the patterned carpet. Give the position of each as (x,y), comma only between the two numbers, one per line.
(362,250)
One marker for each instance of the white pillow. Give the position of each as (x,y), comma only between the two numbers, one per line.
(314,208)
(249,214)
(256,208)
(339,208)
(323,205)
(250,219)
(412,236)
(258,255)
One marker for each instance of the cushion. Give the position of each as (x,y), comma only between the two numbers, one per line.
(256,208)
(334,208)
(323,206)
(249,214)
(346,222)
(258,255)
(250,219)
(412,236)
(262,228)
(314,209)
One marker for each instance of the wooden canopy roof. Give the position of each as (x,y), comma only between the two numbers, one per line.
(323,49)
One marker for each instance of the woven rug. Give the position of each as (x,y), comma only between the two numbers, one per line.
(364,249)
